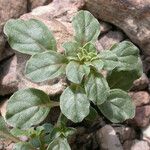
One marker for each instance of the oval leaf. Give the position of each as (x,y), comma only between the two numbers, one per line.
(109,58)
(71,48)
(23,146)
(128,55)
(118,107)
(86,26)
(96,88)
(45,66)
(122,79)
(76,71)
(27,107)
(59,144)
(74,103)
(29,37)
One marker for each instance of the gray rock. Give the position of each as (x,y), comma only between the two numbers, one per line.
(146,134)
(132,16)
(107,139)
(140,145)
(111,38)
(125,133)
(140,98)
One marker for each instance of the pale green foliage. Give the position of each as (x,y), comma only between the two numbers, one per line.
(83,66)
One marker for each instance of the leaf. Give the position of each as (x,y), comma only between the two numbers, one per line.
(127,54)
(45,66)
(118,107)
(90,48)
(71,48)
(97,64)
(29,37)
(109,59)
(96,88)
(76,71)
(122,56)
(92,115)
(86,26)
(23,146)
(27,107)
(59,144)
(74,103)
(4,131)
(122,79)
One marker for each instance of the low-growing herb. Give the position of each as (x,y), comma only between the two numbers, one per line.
(88,86)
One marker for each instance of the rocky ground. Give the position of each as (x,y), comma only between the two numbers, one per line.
(119,20)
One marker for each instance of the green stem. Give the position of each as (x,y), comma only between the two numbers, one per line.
(51,104)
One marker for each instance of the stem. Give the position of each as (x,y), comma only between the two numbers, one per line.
(11,137)
(51,104)
(54,104)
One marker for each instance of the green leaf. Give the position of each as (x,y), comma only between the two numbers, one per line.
(122,79)
(29,37)
(86,26)
(45,66)
(27,107)
(71,48)
(74,103)
(123,56)
(109,59)
(4,131)
(96,88)
(92,115)
(97,64)
(118,107)
(76,71)
(23,146)
(127,54)
(90,48)
(18,132)
(59,144)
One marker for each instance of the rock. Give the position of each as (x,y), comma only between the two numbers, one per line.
(7,53)
(125,133)
(132,16)
(140,145)
(105,27)
(108,139)
(127,145)
(8,77)
(146,134)
(142,116)
(140,98)
(141,83)
(36,3)
(111,38)
(10,9)
(61,28)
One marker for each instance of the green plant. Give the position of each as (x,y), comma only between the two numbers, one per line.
(83,66)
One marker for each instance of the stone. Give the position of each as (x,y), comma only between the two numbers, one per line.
(132,16)
(8,77)
(142,117)
(140,145)
(108,139)
(104,27)
(141,83)
(140,98)
(125,133)
(146,134)
(111,38)
(35,3)
(10,9)
(61,28)
(7,53)
(127,145)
